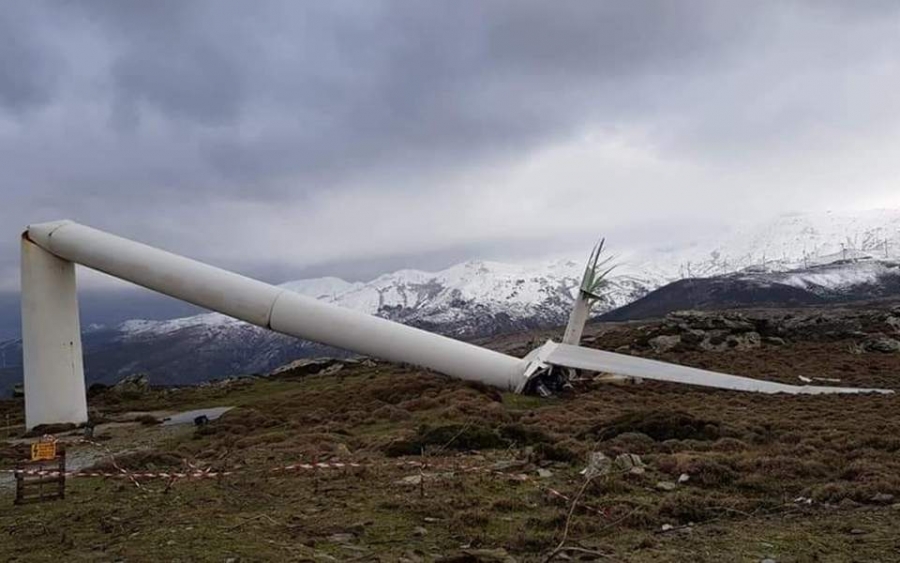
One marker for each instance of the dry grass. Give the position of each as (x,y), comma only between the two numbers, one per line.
(748,457)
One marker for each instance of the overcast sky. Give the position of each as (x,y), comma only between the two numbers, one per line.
(291,138)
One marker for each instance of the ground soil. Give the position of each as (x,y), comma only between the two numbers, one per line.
(789,478)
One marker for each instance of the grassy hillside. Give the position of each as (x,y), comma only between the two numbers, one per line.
(455,472)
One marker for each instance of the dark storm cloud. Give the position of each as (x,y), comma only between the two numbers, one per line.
(320,91)
(28,67)
(168,120)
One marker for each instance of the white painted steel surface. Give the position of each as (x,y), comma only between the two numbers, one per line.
(581,310)
(589,359)
(276,308)
(51,340)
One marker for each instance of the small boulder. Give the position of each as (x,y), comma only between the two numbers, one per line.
(626,462)
(134,382)
(693,337)
(598,464)
(410,481)
(881,344)
(882,498)
(666,486)
(664,343)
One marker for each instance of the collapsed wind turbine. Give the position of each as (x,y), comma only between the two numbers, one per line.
(51,334)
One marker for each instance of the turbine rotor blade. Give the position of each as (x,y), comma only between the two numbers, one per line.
(565,355)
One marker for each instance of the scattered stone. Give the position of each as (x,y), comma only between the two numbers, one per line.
(666,486)
(637,470)
(342,450)
(420,531)
(767,560)
(139,382)
(509,464)
(683,478)
(667,527)
(598,464)
(774,340)
(883,498)
(310,366)
(848,503)
(895,506)
(625,462)
(341,538)
(429,519)
(544,473)
(693,337)
(231,560)
(410,480)
(747,341)
(857,532)
(881,344)
(893,322)
(664,343)
(332,369)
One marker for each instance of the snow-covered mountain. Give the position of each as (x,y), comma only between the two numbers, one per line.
(788,242)
(824,253)
(474,298)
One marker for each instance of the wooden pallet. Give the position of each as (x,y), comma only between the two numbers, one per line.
(41,488)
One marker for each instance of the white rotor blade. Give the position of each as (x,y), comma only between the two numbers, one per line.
(565,355)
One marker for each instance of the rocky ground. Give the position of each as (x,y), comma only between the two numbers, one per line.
(455,472)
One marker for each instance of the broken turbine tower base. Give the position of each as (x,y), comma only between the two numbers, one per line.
(54,375)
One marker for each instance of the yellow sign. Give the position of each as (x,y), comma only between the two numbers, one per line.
(43,450)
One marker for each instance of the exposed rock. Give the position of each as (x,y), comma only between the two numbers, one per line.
(720,342)
(882,498)
(666,486)
(311,366)
(881,344)
(544,473)
(139,382)
(664,343)
(893,322)
(693,337)
(598,464)
(626,462)
(411,480)
(420,531)
(774,340)
(683,478)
